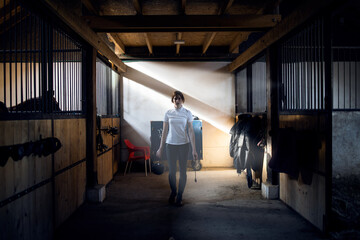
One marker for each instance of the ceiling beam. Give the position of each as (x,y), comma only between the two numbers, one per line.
(178,37)
(90,6)
(182,23)
(80,26)
(137,7)
(114,37)
(210,36)
(299,16)
(225,7)
(183,6)
(239,38)
(148,43)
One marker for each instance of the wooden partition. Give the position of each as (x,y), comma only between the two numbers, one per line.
(39,193)
(70,185)
(307,200)
(108,160)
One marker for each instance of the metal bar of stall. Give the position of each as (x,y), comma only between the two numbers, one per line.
(322,66)
(302,78)
(43,62)
(288,76)
(50,95)
(26,58)
(21,57)
(317,66)
(338,77)
(344,81)
(293,80)
(308,89)
(10,56)
(15,43)
(57,38)
(311,64)
(4,55)
(73,78)
(32,67)
(64,74)
(356,53)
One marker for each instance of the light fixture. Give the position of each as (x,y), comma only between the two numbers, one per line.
(179,42)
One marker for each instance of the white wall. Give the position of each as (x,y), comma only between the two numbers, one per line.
(209,93)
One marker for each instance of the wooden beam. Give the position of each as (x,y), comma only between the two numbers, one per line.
(225,7)
(90,6)
(296,18)
(178,37)
(182,23)
(80,26)
(137,7)
(148,43)
(114,37)
(239,38)
(183,6)
(209,38)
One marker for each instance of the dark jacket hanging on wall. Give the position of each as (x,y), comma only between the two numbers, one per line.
(296,152)
(245,134)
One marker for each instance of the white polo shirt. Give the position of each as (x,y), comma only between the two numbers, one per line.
(178,119)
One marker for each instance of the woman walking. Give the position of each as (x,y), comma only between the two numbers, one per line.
(176,137)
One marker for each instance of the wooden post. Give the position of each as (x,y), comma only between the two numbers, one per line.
(272,88)
(90,75)
(328,123)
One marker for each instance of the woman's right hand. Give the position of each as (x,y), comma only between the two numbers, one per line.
(158,153)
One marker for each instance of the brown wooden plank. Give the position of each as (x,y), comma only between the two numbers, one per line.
(116,123)
(182,23)
(3,169)
(239,38)
(90,6)
(178,37)
(74,137)
(148,43)
(82,138)
(114,37)
(209,38)
(299,16)
(137,6)
(9,167)
(105,169)
(61,131)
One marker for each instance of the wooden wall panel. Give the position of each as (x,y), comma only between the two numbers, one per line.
(116,123)
(72,135)
(307,200)
(116,158)
(70,189)
(18,218)
(105,169)
(31,216)
(116,146)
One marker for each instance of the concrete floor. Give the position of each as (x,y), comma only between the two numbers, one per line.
(218,206)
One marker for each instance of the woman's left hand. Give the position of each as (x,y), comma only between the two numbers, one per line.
(195,155)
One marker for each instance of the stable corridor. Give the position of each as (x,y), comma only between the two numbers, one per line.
(218,206)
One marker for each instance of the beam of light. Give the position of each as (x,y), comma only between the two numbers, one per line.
(217,117)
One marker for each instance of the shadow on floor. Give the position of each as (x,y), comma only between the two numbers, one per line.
(218,206)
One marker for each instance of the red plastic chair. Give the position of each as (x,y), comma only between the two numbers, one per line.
(143,153)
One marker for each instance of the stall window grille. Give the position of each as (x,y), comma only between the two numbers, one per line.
(251,87)
(107,90)
(303,68)
(346,78)
(40,65)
